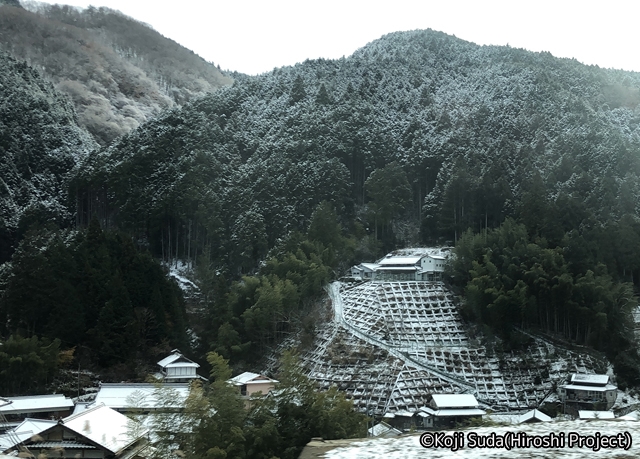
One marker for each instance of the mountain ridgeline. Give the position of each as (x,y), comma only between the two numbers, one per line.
(270,187)
(117,71)
(467,135)
(417,138)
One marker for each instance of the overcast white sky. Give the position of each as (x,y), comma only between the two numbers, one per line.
(254,36)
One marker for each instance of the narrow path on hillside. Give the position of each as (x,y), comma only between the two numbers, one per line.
(338,315)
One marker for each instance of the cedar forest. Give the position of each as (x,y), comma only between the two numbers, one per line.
(271,187)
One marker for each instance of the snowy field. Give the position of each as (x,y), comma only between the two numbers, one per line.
(409,446)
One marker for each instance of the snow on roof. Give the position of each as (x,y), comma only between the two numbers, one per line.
(397,268)
(370,266)
(633,416)
(250,378)
(436,257)
(36,403)
(104,426)
(460,412)
(454,401)
(590,379)
(25,430)
(406,414)
(383,428)
(591,388)
(81,406)
(420,251)
(596,414)
(176,359)
(170,359)
(142,395)
(428,410)
(399,261)
(534,414)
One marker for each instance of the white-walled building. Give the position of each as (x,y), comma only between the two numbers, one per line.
(421,267)
(588,392)
(448,410)
(177,368)
(98,432)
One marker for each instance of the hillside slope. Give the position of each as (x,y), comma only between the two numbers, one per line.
(390,345)
(118,72)
(40,144)
(470,131)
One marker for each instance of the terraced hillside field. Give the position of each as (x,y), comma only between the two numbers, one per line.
(391,344)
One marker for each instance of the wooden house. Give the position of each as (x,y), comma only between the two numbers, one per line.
(99,433)
(588,392)
(449,410)
(177,368)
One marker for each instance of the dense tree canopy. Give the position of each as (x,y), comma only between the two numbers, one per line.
(271,185)
(117,71)
(93,291)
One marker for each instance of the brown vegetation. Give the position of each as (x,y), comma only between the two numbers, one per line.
(117,71)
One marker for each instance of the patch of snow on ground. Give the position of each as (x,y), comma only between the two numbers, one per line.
(179,270)
(409,446)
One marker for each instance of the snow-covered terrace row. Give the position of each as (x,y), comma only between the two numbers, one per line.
(406,315)
(381,377)
(376,381)
(405,328)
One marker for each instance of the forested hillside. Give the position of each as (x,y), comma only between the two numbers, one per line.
(476,134)
(272,186)
(415,138)
(40,144)
(67,293)
(117,71)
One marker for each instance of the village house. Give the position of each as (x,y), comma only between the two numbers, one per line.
(99,432)
(587,392)
(363,271)
(426,267)
(142,397)
(176,368)
(16,409)
(402,420)
(449,410)
(250,384)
